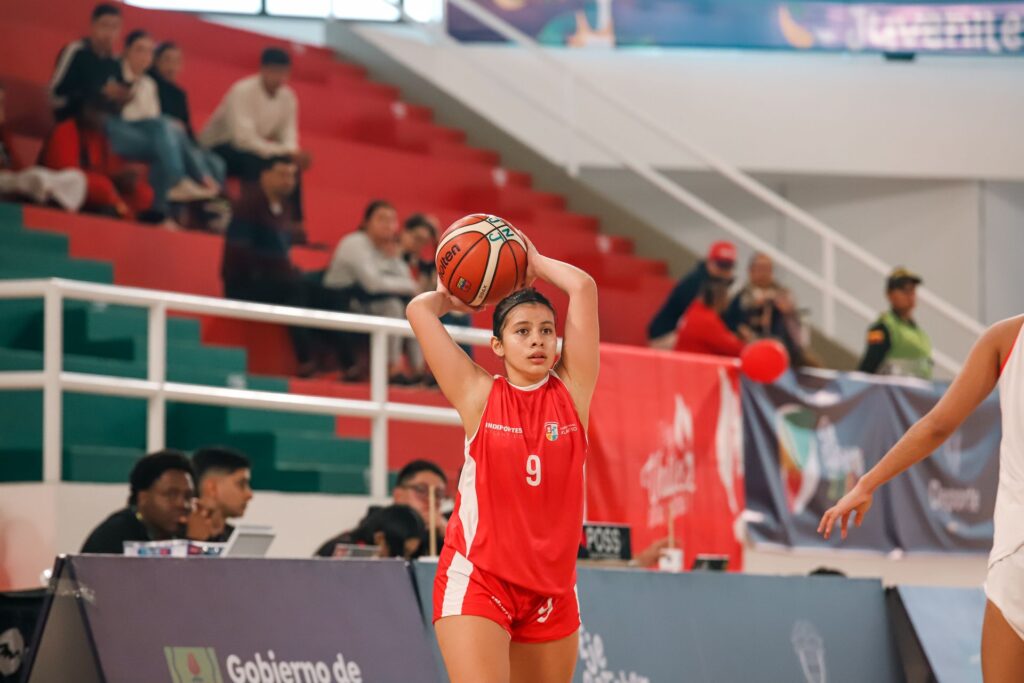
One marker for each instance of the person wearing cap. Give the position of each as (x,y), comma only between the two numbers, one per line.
(258,119)
(896,345)
(720,261)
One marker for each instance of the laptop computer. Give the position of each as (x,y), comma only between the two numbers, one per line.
(249,540)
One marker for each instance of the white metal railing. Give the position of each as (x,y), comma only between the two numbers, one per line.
(53,380)
(832,241)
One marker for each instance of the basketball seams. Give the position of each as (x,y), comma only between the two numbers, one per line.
(454,267)
(492,266)
(482,226)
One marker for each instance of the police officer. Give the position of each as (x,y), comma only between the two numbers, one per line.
(896,345)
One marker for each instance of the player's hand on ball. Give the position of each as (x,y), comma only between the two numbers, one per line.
(453,303)
(533,258)
(858,500)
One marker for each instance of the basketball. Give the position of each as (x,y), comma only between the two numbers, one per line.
(764,360)
(481,259)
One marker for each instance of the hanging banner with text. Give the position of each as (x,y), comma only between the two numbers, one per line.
(808,438)
(971,28)
(665,441)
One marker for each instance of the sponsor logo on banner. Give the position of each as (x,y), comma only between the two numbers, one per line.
(955,499)
(809,452)
(595,662)
(668,474)
(729,442)
(551,431)
(200,665)
(193,665)
(12,650)
(810,650)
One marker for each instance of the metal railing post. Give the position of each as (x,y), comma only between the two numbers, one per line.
(53,358)
(379,431)
(828,292)
(156,341)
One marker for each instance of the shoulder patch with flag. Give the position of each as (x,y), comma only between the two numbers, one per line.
(876,337)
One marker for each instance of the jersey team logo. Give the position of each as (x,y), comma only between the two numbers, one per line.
(551,431)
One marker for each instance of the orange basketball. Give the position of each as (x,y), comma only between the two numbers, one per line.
(481,259)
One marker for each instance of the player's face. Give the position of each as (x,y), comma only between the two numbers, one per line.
(528,340)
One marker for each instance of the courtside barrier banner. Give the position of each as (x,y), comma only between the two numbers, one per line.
(705,627)
(223,620)
(665,440)
(974,28)
(941,638)
(808,438)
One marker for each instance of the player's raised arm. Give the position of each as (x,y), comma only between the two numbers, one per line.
(464,383)
(975,381)
(581,354)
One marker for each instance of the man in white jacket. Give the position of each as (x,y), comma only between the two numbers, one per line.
(259,119)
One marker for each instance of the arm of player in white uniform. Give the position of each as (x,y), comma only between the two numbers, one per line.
(975,381)
(581,351)
(464,383)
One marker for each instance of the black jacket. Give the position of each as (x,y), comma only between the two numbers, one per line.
(80,73)
(110,535)
(679,299)
(173,101)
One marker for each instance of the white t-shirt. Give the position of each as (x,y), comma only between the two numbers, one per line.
(145,101)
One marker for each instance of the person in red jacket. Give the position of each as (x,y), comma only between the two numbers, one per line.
(113,187)
(702,329)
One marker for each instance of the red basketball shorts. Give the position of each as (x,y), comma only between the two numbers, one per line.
(461,589)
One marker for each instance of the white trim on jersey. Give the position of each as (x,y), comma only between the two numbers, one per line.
(532,387)
(469,510)
(456,586)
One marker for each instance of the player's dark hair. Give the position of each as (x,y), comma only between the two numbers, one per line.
(151,467)
(417,466)
(419,220)
(529,295)
(105,9)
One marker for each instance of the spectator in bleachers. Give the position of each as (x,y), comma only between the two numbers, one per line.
(159,505)
(369,270)
(256,264)
(223,487)
(418,233)
(137,130)
(896,345)
(203,165)
(258,119)
(763,308)
(65,188)
(720,261)
(395,531)
(702,329)
(113,187)
(412,488)
(87,66)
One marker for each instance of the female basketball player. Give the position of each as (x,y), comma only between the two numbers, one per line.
(997,358)
(505,607)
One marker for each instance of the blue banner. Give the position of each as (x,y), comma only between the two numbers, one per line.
(647,627)
(808,438)
(976,28)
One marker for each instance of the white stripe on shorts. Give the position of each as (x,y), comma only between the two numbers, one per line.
(456,586)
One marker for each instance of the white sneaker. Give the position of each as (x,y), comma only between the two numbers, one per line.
(187,190)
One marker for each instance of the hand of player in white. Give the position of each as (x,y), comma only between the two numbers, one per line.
(858,500)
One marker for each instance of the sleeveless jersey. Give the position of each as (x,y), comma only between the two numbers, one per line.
(519,509)
(1009,514)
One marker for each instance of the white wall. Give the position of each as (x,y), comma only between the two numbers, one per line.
(1002,279)
(939,117)
(40,521)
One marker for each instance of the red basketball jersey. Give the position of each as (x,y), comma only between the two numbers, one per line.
(519,510)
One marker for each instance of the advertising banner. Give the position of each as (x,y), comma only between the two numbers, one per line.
(808,438)
(223,620)
(704,627)
(665,441)
(975,28)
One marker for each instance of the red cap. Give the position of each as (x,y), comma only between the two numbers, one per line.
(722,251)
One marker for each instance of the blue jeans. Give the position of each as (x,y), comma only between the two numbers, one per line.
(199,163)
(155,142)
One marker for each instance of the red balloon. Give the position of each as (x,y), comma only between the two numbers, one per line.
(764,360)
